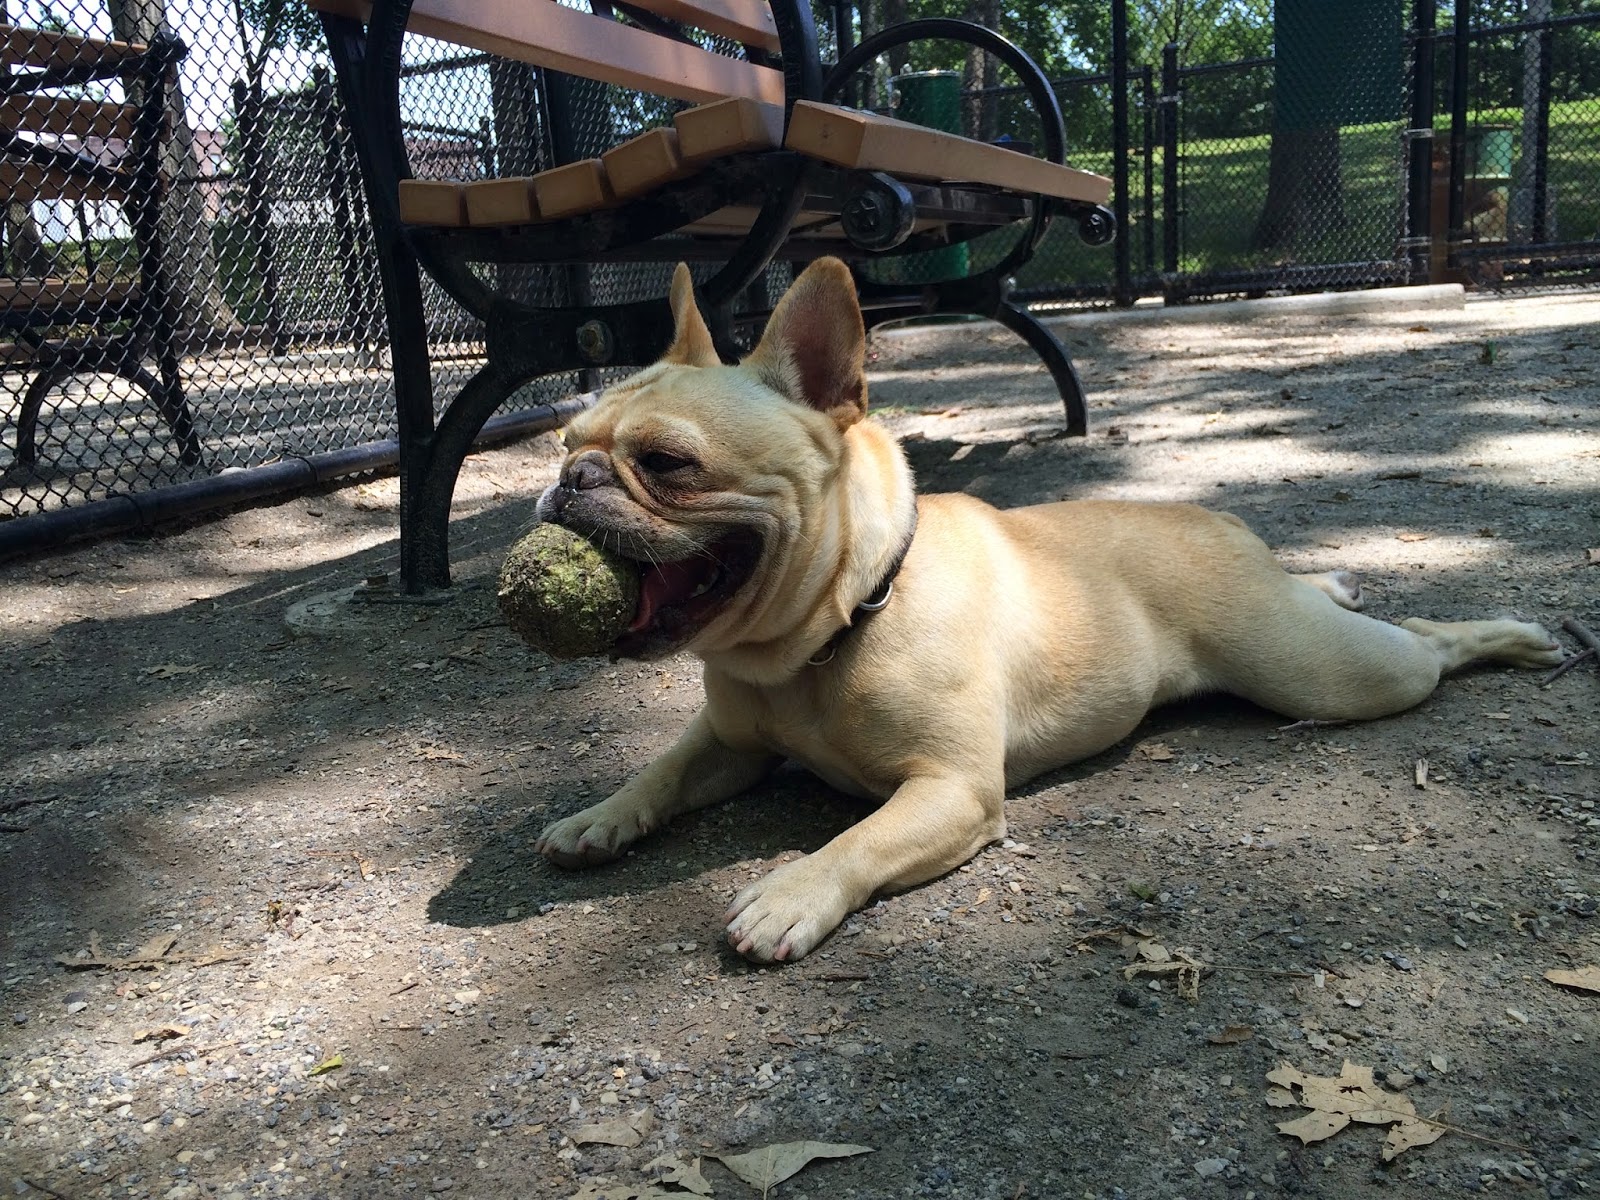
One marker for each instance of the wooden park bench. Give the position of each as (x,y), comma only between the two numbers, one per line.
(752,161)
(58,144)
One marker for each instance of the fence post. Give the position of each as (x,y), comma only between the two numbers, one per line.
(1169,158)
(1541,144)
(1148,99)
(1458,128)
(1419,143)
(248,105)
(1122,287)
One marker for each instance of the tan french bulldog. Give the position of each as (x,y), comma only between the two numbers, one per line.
(928,653)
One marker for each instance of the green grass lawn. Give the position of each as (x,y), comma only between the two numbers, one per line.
(1224,185)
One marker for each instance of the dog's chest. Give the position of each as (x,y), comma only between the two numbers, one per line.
(813,734)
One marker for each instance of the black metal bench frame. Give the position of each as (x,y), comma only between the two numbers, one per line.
(524,342)
(140,325)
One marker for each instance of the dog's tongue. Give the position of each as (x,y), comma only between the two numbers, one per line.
(663,584)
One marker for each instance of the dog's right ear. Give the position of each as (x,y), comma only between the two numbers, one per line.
(814,348)
(691,339)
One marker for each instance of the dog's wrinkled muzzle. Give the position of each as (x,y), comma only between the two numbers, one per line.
(583,473)
(581,479)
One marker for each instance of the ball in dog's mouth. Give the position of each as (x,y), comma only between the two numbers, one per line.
(566,596)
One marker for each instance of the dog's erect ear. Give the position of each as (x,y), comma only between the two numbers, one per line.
(691,340)
(814,350)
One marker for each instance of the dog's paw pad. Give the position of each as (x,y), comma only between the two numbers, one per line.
(585,839)
(784,915)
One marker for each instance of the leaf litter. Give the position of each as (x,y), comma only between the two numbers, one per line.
(1353,1095)
(1584,979)
(763,1168)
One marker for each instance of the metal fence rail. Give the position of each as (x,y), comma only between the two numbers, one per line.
(239,328)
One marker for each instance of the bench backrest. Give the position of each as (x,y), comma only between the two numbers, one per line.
(551,35)
(39,63)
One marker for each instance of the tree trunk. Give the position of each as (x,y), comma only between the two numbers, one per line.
(25,254)
(1305,190)
(191,261)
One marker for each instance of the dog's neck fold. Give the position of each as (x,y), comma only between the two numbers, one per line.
(849,548)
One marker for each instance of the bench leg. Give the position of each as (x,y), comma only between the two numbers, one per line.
(1048,347)
(425,513)
(174,409)
(168,398)
(28,413)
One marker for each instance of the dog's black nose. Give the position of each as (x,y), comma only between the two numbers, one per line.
(591,469)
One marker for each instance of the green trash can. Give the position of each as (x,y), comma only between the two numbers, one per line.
(1491,151)
(931,98)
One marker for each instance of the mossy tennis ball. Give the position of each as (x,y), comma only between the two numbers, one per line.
(564,595)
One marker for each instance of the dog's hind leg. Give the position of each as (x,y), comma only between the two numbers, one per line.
(1342,587)
(1298,649)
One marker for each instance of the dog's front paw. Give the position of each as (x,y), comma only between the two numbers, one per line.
(783,915)
(596,835)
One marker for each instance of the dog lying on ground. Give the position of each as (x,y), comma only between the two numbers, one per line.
(926,652)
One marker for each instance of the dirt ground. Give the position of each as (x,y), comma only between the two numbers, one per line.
(374,988)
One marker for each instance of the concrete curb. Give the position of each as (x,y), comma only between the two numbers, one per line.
(1432,297)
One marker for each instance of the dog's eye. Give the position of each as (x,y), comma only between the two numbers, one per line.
(659,462)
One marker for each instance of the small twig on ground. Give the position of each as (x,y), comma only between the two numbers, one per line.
(841,976)
(407,987)
(48,1191)
(1313,723)
(1583,656)
(1582,632)
(174,1051)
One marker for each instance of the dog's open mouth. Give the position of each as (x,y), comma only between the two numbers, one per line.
(678,599)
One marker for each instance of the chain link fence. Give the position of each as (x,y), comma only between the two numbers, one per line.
(187,283)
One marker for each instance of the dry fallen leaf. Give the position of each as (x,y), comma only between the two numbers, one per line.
(626,1132)
(1585,979)
(684,1174)
(771,1165)
(1352,1095)
(1413,537)
(1152,958)
(1231,1035)
(1156,751)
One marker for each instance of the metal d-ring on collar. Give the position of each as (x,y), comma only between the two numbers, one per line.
(877,600)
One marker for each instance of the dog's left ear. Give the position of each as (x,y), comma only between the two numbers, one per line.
(691,339)
(815,346)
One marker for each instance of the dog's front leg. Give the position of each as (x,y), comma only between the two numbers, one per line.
(699,770)
(932,824)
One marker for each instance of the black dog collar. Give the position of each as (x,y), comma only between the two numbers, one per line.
(876,600)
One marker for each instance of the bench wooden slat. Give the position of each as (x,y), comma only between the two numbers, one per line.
(848,138)
(34,181)
(551,35)
(46,49)
(64,293)
(68,117)
(641,164)
(432,202)
(566,191)
(501,202)
(728,127)
(748,22)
